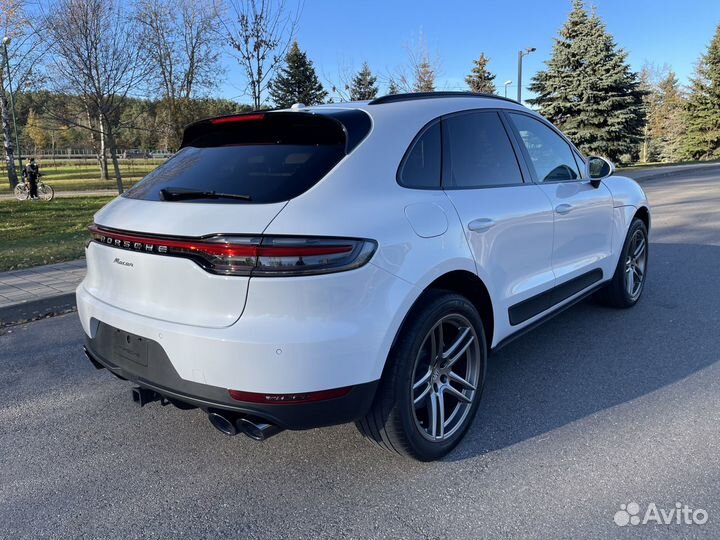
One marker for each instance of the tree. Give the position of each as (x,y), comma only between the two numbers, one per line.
(480,79)
(37,131)
(180,37)
(420,72)
(588,89)
(97,62)
(362,86)
(23,54)
(424,76)
(670,125)
(297,81)
(702,115)
(392,88)
(260,32)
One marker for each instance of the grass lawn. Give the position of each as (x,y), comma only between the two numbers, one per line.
(85,175)
(33,233)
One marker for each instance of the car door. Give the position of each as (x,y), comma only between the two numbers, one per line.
(508,220)
(583,214)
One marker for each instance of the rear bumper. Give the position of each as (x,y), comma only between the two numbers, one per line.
(157,373)
(295,335)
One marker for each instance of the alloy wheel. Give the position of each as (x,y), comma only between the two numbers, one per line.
(446,377)
(635,264)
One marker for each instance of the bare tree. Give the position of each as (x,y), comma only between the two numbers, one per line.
(260,32)
(181,38)
(22,47)
(97,62)
(421,71)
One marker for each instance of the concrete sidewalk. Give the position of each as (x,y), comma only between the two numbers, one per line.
(32,293)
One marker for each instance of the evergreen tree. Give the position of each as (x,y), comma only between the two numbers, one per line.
(297,81)
(589,91)
(363,85)
(392,88)
(424,76)
(702,115)
(668,125)
(480,79)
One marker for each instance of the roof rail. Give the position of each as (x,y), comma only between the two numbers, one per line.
(411,96)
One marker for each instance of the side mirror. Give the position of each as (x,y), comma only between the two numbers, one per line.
(599,168)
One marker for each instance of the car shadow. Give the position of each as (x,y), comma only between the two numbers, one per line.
(591,358)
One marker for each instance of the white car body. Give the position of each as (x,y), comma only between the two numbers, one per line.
(312,333)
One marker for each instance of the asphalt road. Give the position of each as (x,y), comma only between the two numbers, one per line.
(596,409)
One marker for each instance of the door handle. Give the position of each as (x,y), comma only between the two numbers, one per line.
(563,208)
(481,224)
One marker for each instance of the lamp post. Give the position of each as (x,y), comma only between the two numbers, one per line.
(5,42)
(519,78)
(507,83)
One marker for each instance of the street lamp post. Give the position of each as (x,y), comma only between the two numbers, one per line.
(519,78)
(507,83)
(5,42)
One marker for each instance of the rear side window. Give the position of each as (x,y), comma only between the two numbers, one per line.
(478,152)
(551,156)
(258,159)
(421,167)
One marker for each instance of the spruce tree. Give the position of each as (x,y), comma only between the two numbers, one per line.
(297,81)
(392,88)
(363,85)
(669,123)
(480,79)
(589,91)
(424,76)
(702,115)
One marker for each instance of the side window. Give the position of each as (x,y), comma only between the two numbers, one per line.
(421,168)
(551,156)
(478,152)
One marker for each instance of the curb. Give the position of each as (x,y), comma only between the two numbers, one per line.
(37,309)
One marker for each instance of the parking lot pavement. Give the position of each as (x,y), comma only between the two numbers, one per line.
(597,409)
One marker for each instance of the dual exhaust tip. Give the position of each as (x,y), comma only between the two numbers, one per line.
(231,425)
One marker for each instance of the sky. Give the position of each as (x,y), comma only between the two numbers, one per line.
(338,35)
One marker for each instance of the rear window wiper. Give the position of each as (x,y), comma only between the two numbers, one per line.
(180,194)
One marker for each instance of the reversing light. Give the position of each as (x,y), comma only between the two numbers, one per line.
(278,399)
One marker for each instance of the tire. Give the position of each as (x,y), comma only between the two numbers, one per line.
(21,192)
(617,293)
(46,192)
(415,371)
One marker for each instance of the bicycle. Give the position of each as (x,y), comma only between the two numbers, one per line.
(45,191)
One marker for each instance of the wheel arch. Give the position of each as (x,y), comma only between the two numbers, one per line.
(643,213)
(467,284)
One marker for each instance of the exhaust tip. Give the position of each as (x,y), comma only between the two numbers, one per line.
(257,431)
(223,424)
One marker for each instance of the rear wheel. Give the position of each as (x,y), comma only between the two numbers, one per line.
(21,191)
(628,282)
(433,382)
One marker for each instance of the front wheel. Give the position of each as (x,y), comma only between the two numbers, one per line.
(628,282)
(46,192)
(433,381)
(21,191)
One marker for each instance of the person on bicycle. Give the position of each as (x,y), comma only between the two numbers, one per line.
(32,173)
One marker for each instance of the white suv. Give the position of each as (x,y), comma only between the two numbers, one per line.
(353,262)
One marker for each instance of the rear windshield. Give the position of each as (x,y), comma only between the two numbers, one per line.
(267,158)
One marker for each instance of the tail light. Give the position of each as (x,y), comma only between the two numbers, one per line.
(250,255)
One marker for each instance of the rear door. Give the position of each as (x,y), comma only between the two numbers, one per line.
(582,246)
(508,221)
